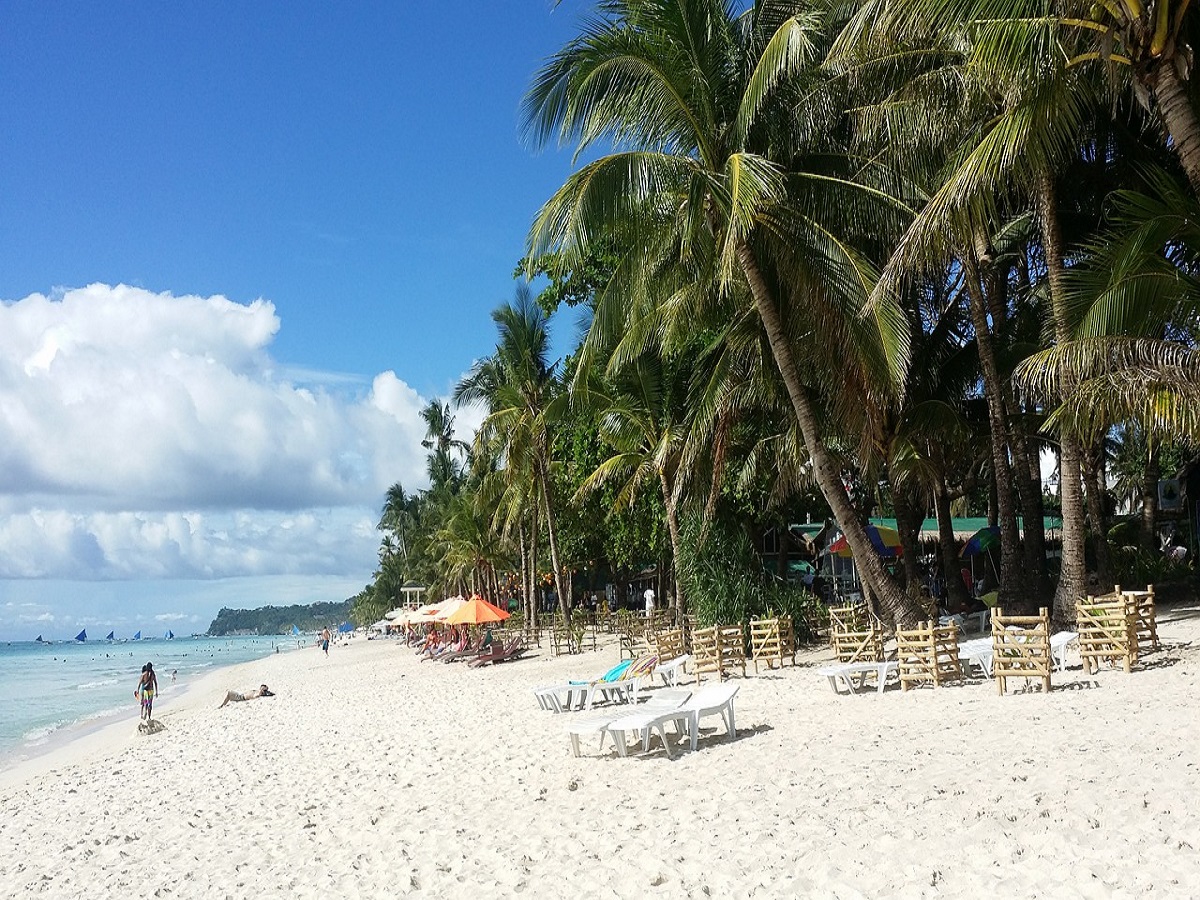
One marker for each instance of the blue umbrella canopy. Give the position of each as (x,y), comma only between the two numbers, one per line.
(983,539)
(345,626)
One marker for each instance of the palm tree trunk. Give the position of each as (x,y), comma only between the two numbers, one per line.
(552,540)
(1093,481)
(1174,104)
(909,519)
(1011,565)
(676,543)
(1072,582)
(1149,521)
(1026,460)
(894,602)
(534,532)
(956,591)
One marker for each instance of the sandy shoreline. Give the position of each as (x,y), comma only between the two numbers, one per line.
(371,774)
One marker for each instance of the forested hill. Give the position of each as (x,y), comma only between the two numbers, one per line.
(279,619)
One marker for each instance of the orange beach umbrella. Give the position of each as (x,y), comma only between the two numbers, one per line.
(476,611)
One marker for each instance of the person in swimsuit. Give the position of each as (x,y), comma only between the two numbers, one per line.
(146,689)
(234,697)
(325,641)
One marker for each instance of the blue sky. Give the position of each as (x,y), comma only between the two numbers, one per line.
(240,245)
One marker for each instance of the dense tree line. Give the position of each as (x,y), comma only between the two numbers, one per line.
(279,619)
(836,258)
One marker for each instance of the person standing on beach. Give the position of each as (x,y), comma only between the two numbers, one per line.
(325,640)
(649,603)
(146,689)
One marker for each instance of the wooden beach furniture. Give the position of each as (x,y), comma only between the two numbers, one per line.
(1108,631)
(856,638)
(928,653)
(1147,620)
(771,642)
(717,650)
(1021,648)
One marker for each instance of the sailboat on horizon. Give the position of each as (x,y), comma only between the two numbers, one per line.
(40,640)
(110,635)
(138,636)
(170,635)
(82,636)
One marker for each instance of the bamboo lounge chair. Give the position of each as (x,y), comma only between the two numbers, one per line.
(1108,631)
(855,635)
(771,642)
(1021,648)
(928,652)
(717,650)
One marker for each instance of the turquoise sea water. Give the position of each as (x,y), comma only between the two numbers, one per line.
(50,691)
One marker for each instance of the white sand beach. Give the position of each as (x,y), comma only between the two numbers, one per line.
(371,774)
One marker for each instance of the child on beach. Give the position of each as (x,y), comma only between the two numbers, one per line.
(146,689)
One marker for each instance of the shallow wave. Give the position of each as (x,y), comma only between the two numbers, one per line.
(95,684)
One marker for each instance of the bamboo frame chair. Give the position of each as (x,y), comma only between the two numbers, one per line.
(1108,631)
(1021,648)
(928,653)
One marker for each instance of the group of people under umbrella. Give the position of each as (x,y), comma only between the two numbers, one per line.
(445,628)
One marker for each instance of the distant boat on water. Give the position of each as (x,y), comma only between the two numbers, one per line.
(170,635)
(110,635)
(40,640)
(295,630)
(138,636)
(82,636)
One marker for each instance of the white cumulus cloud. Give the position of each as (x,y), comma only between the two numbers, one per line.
(146,435)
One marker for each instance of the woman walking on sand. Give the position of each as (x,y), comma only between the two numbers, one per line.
(146,689)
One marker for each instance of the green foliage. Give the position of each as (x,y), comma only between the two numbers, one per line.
(1135,568)
(279,619)
(724,579)
(573,286)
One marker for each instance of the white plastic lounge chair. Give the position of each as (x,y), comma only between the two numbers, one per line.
(666,706)
(664,701)
(711,700)
(671,671)
(1058,647)
(624,689)
(854,674)
(560,697)
(979,651)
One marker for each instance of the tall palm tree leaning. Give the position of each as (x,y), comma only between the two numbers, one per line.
(517,386)
(690,87)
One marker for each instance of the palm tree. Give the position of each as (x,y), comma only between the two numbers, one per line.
(715,179)
(643,420)
(517,385)
(1145,45)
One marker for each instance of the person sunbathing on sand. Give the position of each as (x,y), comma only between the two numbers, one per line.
(234,696)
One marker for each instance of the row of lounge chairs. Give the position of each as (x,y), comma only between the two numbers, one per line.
(477,655)
(1111,628)
(671,705)
(621,683)
(623,687)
